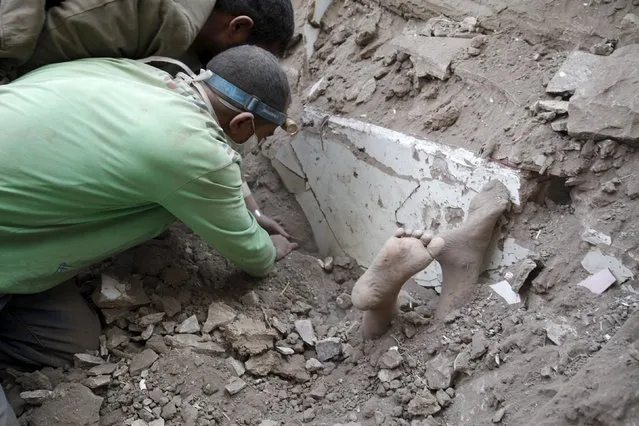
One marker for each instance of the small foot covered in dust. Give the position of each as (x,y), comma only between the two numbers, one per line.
(463,254)
(402,256)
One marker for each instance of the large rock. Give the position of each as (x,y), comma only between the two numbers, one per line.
(70,405)
(606,106)
(573,73)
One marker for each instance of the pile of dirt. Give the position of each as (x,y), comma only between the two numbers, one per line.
(192,341)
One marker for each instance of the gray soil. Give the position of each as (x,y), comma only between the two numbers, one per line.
(564,356)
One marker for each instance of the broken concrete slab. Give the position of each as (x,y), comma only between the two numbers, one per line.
(506,292)
(70,405)
(112,293)
(431,56)
(410,182)
(595,237)
(195,343)
(599,282)
(595,261)
(573,73)
(249,337)
(606,105)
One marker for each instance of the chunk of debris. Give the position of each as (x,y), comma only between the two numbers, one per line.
(314,365)
(86,361)
(283,328)
(367,30)
(195,343)
(219,314)
(573,73)
(189,326)
(431,56)
(328,349)
(443,118)
(97,382)
(599,282)
(112,293)
(499,415)
(151,319)
(560,126)
(605,48)
(558,107)
(443,399)
(343,301)
(264,364)
(366,92)
(284,350)
(439,373)
(595,261)
(328,263)
(36,397)
(595,237)
(387,376)
(318,392)
(71,404)
(305,329)
(505,291)
(171,306)
(235,386)
(605,106)
(559,333)
(237,366)
(102,370)
(249,336)
(142,361)
(391,359)
(478,346)
(301,308)
(424,404)
(521,273)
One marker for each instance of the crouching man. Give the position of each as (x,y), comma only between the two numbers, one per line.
(100,155)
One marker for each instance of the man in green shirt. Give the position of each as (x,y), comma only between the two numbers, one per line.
(99,155)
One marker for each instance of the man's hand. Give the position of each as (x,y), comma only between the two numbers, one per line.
(271,226)
(282,246)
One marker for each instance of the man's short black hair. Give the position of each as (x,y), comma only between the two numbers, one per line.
(274,21)
(255,71)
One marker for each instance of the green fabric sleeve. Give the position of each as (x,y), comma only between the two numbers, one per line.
(213,207)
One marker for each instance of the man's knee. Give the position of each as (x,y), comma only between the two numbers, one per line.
(47,328)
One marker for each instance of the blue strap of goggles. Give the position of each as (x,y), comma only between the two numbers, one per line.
(243,100)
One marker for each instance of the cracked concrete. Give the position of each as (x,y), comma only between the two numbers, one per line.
(364,181)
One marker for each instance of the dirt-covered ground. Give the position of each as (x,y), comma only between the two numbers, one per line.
(205,344)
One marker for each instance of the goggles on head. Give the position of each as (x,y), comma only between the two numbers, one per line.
(250,103)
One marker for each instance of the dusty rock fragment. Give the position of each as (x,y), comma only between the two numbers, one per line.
(235,386)
(190,415)
(119,295)
(478,346)
(423,404)
(443,399)
(301,308)
(142,361)
(86,361)
(328,349)
(318,392)
(97,382)
(314,365)
(606,105)
(343,301)
(479,41)
(116,337)
(391,359)
(305,329)
(157,344)
(237,366)
(219,314)
(273,363)
(189,326)
(558,107)
(560,126)
(148,332)
(443,117)
(595,237)
(171,306)
(248,336)
(574,72)
(559,333)
(439,372)
(195,343)
(36,397)
(263,365)
(102,370)
(34,381)
(499,415)
(595,261)
(605,48)
(366,31)
(169,411)
(431,56)
(367,91)
(387,376)
(151,319)
(71,404)
(284,350)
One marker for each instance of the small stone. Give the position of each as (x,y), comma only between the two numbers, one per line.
(284,350)
(343,301)
(595,237)
(308,415)
(443,118)
(314,365)
(318,392)
(305,329)
(235,386)
(558,107)
(423,404)
(602,49)
(328,264)
(469,24)
(328,349)
(367,91)
(281,327)
(387,376)
(560,126)
(479,41)
(219,314)
(391,359)
(195,343)
(250,299)
(499,415)
(478,346)
(367,31)
(86,361)
(97,382)
(236,366)
(443,398)
(169,411)
(546,372)
(439,373)
(151,319)
(117,295)
(301,308)
(171,306)
(36,397)
(189,326)
(142,361)
(559,333)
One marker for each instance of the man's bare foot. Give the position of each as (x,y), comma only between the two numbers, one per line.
(402,256)
(463,254)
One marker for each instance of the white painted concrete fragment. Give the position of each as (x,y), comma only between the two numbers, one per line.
(599,282)
(506,292)
(595,261)
(367,180)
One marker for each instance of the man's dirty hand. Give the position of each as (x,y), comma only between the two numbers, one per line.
(271,226)
(282,246)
